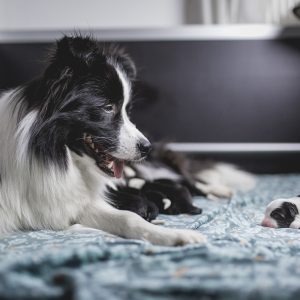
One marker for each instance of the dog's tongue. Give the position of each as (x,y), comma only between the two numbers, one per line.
(118,166)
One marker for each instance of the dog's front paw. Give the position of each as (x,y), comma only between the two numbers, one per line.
(176,237)
(184,237)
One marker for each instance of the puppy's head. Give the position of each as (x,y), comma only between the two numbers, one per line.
(83,100)
(282,213)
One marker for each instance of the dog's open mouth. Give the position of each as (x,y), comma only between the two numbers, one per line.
(110,165)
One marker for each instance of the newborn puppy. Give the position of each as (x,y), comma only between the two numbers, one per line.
(283,213)
(127,198)
(153,197)
(175,197)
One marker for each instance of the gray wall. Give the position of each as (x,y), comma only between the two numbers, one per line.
(216,91)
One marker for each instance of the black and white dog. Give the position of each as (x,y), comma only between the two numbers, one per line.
(283,213)
(65,137)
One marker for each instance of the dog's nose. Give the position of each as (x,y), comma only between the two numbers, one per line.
(144,147)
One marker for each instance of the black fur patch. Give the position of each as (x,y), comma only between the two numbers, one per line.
(285,214)
(180,197)
(126,198)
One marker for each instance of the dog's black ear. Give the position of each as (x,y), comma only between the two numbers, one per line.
(77,51)
(83,51)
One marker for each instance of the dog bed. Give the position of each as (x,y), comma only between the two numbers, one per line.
(241,260)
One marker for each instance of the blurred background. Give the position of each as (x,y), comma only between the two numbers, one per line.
(67,14)
(217,78)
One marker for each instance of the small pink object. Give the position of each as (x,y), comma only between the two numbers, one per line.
(267,223)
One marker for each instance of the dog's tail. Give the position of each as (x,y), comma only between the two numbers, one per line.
(227,175)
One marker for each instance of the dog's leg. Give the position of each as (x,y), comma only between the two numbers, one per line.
(127,224)
(214,191)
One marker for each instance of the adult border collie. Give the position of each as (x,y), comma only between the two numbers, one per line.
(65,137)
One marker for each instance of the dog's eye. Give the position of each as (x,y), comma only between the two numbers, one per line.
(109,108)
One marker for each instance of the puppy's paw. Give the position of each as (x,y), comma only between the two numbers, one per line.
(177,237)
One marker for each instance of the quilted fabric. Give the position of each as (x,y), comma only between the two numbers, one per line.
(241,260)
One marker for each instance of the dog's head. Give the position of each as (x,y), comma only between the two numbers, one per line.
(83,100)
(282,213)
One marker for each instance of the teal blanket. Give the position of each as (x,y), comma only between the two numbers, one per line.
(241,260)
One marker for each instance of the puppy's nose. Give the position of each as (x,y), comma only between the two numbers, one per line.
(144,147)
(267,223)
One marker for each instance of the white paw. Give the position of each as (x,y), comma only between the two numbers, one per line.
(176,237)
(220,191)
(228,175)
(184,237)
(215,190)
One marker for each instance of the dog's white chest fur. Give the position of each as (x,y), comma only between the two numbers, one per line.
(32,196)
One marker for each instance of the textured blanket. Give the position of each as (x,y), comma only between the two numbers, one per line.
(241,260)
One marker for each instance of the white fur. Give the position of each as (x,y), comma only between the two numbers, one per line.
(223,179)
(129,172)
(167,203)
(214,191)
(33,196)
(136,183)
(129,136)
(158,222)
(296,223)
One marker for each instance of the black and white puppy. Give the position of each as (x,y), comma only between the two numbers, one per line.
(283,213)
(65,137)
(163,196)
